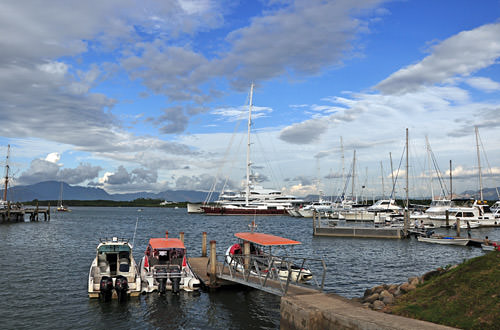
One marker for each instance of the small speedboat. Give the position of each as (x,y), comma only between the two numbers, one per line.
(113,273)
(165,267)
(264,262)
(445,240)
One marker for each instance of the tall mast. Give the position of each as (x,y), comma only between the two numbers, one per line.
(392,173)
(382,172)
(248,145)
(428,147)
(451,182)
(407,209)
(6,174)
(479,165)
(343,169)
(353,173)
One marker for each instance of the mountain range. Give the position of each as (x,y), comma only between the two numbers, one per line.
(51,190)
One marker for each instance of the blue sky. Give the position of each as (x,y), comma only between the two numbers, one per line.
(151,96)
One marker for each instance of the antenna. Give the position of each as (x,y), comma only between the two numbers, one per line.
(135,230)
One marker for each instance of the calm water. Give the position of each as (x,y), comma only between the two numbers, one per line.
(44,268)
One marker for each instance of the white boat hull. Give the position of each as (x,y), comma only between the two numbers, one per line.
(444,240)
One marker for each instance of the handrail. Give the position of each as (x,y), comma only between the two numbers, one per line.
(267,272)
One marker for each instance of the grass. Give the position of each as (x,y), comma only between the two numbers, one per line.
(466,297)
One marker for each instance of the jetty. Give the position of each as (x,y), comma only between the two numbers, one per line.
(301,306)
(329,228)
(15,213)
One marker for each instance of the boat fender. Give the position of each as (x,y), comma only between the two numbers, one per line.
(106,288)
(193,284)
(121,287)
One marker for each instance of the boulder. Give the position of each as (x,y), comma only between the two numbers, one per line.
(388,299)
(384,293)
(378,305)
(392,288)
(404,287)
(368,292)
(378,289)
(413,280)
(372,298)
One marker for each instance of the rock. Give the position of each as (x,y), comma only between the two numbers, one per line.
(378,289)
(411,287)
(404,287)
(367,305)
(378,305)
(398,292)
(392,288)
(413,280)
(368,292)
(372,298)
(388,300)
(383,294)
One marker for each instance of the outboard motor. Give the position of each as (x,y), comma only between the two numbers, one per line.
(121,287)
(176,283)
(162,285)
(106,288)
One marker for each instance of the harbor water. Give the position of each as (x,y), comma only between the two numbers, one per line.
(44,269)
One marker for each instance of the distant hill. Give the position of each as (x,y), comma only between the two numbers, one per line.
(50,190)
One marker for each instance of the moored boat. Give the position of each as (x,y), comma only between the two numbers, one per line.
(445,240)
(114,273)
(165,267)
(265,262)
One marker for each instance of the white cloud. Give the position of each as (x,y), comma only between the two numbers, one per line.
(484,84)
(459,55)
(53,157)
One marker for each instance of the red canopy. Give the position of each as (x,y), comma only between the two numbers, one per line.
(166,243)
(265,239)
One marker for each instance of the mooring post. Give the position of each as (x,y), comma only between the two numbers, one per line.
(204,245)
(447,215)
(181,236)
(8,210)
(246,253)
(458,227)
(48,212)
(213,263)
(314,224)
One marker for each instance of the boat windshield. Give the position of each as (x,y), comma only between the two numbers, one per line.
(169,256)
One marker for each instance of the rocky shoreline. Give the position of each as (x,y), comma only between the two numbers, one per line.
(381,296)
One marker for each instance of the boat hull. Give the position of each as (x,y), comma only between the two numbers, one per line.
(444,240)
(215,210)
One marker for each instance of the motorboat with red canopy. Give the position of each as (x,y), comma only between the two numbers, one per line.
(259,242)
(165,267)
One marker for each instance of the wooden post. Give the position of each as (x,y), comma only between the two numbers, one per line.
(213,263)
(246,253)
(181,236)
(314,224)
(447,214)
(48,212)
(8,211)
(204,245)
(458,227)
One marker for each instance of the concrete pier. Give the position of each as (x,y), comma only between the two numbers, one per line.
(328,311)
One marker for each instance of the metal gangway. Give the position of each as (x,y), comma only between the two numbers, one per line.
(278,275)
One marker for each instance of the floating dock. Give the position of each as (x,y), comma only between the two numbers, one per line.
(331,228)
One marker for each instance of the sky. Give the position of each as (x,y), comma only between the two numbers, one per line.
(133,96)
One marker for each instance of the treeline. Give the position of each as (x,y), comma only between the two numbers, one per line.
(140,202)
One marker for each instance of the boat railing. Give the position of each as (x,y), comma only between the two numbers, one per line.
(273,274)
(113,239)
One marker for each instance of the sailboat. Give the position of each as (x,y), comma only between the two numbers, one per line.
(61,207)
(255,200)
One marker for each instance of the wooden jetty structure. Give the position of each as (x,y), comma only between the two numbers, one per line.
(16,212)
(21,214)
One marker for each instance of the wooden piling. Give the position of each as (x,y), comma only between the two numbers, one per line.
(204,245)
(246,253)
(181,236)
(458,227)
(447,214)
(213,263)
